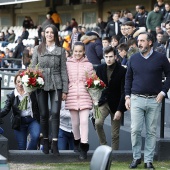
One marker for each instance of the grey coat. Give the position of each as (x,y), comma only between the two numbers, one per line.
(54,69)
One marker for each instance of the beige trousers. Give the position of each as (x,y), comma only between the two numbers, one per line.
(115,127)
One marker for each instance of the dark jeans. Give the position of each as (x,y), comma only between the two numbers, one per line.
(44,112)
(28,126)
(65,140)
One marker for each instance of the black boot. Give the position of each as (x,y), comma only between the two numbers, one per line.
(46,146)
(84,147)
(77,145)
(54,147)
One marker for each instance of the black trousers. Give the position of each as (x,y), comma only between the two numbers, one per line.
(43,103)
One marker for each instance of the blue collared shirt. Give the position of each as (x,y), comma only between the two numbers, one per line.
(149,54)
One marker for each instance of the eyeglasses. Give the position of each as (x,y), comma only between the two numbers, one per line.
(128,28)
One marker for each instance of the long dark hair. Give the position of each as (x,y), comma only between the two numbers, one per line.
(42,46)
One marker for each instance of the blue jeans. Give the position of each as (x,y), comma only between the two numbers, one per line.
(28,126)
(65,140)
(148,110)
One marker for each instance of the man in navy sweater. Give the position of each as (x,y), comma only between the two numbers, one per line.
(143,94)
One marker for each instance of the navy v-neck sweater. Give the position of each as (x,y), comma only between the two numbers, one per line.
(144,76)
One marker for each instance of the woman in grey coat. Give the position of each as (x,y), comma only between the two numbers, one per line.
(50,57)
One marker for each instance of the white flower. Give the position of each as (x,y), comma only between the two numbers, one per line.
(96,82)
(25,79)
(40,81)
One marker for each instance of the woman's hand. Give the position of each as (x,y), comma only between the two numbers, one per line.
(64,96)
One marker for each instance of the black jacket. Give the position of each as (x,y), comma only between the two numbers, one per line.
(12,102)
(114,93)
(110,29)
(18,53)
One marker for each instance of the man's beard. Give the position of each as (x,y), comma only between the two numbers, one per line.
(143,51)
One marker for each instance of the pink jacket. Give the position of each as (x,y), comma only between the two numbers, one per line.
(78,97)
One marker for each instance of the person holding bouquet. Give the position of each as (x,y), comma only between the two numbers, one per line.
(78,100)
(50,57)
(26,121)
(112,100)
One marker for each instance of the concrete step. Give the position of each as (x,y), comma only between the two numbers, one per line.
(37,156)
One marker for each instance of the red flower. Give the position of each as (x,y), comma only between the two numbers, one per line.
(102,83)
(22,73)
(32,81)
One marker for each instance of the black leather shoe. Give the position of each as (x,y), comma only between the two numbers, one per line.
(149,166)
(135,163)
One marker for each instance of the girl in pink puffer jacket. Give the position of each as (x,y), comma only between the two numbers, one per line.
(78,99)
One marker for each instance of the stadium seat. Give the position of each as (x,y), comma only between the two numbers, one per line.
(102,158)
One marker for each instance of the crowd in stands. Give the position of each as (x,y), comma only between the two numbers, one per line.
(120,31)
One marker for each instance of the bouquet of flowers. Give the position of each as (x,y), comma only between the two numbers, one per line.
(32,79)
(95,86)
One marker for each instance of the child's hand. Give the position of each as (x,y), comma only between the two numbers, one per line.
(64,96)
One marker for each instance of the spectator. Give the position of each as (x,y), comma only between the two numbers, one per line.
(93,47)
(10,56)
(2,36)
(24,34)
(67,42)
(74,36)
(109,17)
(68,27)
(137,10)
(26,58)
(101,24)
(31,22)
(161,6)
(11,38)
(48,21)
(74,23)
(167,13)
(113,27)
(132,45)
(18,53)
(26,23)
(56,19)
(132,31)
(82,31)
(2,56)
(167,27)
(158,30)
(141,17)
(124,18)
(68,54)
(124,38)
(65,135)
(153,20)
(23,122)
(114,43)
(105,44)
(158,41)
(122,50)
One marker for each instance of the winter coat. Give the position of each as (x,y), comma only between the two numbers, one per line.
(114,93)
(12,102)
(53,65)
(78,97)
(94,51)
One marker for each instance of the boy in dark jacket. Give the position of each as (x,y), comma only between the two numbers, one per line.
(112,100)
